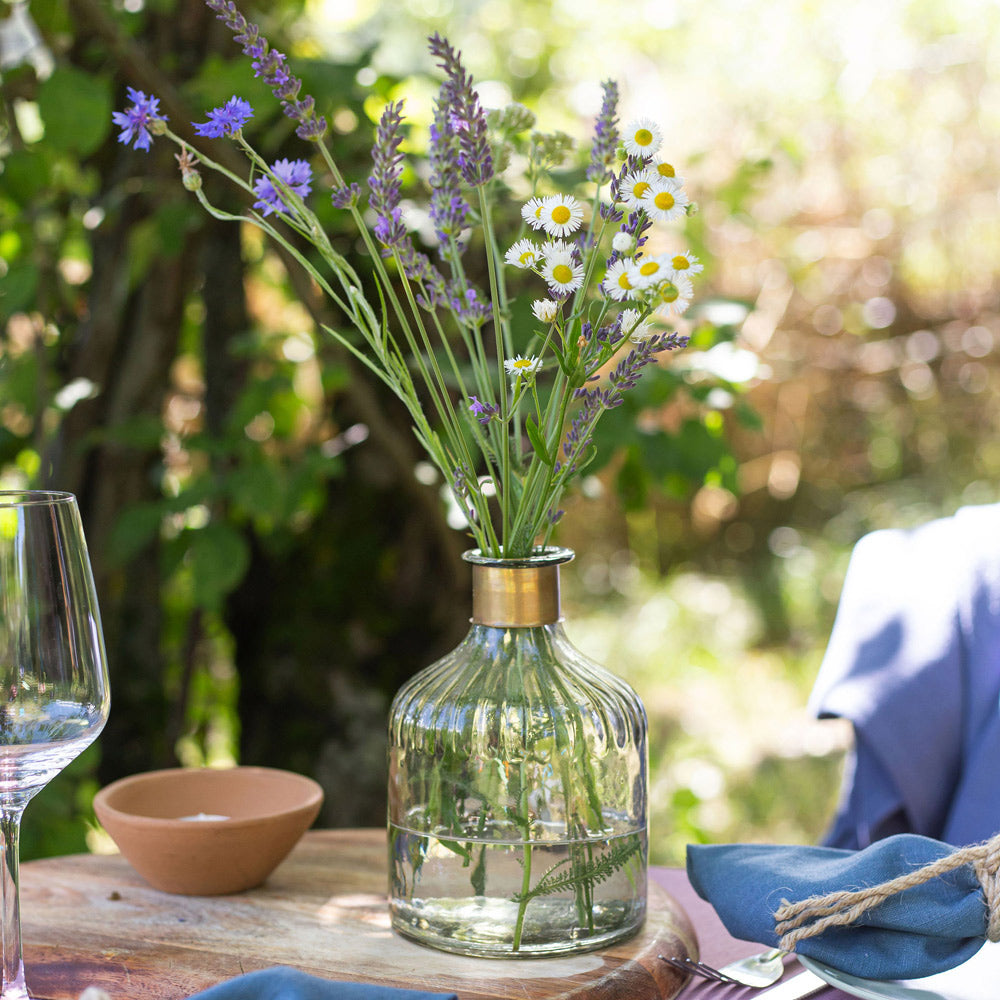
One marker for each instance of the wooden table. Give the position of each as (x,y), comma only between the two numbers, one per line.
(90,920)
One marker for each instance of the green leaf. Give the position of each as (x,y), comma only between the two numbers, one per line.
(135,528)
(26,173)
(219,557)
(76,109)
(260,489)
(537,440)
(18,289)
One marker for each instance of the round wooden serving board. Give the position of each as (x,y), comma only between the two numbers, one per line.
(90,920)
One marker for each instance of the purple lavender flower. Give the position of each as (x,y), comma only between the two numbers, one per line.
(417,267)
(227,120)
(346,196)
(448,209)
(135,120)
(469,307)
(602,153)
(463,495)
(384,187)
(483,412)
(467,120)
(595,401)
(296,175)
(272,66)
(384,180)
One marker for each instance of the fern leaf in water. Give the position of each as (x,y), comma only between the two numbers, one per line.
(587,873)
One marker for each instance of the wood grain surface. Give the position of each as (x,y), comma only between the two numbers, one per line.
(90,920)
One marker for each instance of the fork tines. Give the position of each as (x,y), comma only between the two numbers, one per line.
(698,969)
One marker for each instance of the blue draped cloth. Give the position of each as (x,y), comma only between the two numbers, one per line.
(913,662)
(283,983)
(921,931)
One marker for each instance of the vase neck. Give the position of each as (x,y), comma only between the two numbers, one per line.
(515,596)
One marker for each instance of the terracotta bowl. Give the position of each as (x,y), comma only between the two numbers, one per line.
(248,819)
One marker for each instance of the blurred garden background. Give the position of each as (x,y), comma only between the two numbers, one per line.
(261,525)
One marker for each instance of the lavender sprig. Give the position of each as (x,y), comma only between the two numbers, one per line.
(596,400)
(384,181)
(602,153)
(272,66)
(448,209)
(468,120)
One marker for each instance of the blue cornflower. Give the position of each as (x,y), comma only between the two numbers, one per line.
(294,174)
(136,120)
(227,120)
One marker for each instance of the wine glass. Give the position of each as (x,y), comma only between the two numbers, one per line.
(54,692)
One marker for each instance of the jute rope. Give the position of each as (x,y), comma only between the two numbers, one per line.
(808,917)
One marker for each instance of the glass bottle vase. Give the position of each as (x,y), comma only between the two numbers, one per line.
(517,783)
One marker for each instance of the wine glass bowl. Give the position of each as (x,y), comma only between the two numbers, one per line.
(54,691)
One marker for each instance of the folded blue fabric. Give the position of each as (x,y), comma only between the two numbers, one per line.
(921,931)
(282,983)
(914,662)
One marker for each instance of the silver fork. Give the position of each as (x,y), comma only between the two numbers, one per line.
(756,970)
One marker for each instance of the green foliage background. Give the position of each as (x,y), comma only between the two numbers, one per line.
(256,512)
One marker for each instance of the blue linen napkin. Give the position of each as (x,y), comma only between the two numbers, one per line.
(283,983)
(924,930)
(914,662)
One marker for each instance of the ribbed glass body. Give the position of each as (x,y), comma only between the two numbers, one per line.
(517,783)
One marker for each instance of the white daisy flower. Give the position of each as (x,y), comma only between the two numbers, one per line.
(545,310)
(651,271)
(519,366)
(562,275)
(664,169)
(556,251)
(686,264)
(675,296)
(642,138)
(632,327)
(561,215)
(531,212)
(620,281)
(623,242)
(634,188)
(665,200)
(523,254)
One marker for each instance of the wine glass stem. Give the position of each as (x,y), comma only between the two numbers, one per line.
(13,962)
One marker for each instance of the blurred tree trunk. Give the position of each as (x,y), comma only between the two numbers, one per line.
(325,625)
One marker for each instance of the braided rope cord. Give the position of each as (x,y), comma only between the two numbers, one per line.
(793,922)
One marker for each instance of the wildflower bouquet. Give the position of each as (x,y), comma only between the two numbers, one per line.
(506,413)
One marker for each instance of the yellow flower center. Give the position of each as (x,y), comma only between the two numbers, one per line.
(522,363)
(640,189)
(681,263)
(528,257)
(669,292)
(650,267)
(623,281)
(664,201)
(562,273)
(643,137)
(666,170)
(560,215)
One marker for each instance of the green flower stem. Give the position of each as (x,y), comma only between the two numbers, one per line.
(595,212)
(498,330)
(448,417)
